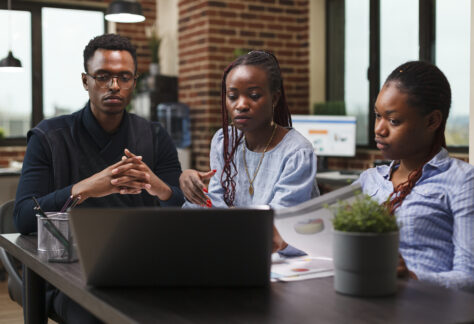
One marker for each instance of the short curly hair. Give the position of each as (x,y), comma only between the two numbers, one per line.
(109,42)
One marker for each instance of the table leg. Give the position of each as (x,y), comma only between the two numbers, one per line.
(33,298)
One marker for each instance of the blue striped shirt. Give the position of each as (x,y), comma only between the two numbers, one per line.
(436,219)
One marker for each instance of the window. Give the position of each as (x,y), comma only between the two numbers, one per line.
(452,57)
(64,37)
(356,61)
(16,94)
(49,41)
(379,35)
(398,34)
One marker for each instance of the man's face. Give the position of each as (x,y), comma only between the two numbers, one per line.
(109,97)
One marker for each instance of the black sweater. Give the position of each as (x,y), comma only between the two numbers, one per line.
(67,149)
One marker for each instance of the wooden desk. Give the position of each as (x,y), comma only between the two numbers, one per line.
(308,301)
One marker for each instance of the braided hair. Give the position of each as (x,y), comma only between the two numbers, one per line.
(281,116)
(427,89)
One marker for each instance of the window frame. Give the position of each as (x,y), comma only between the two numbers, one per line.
(35,9)
(335,37)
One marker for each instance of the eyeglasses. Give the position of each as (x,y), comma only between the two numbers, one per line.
(105,80)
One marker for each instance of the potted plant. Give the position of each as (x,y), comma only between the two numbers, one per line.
(365,248)
(154,43)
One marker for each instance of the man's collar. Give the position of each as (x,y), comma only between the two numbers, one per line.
(98,134)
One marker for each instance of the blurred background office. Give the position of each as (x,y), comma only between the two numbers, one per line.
(334,56)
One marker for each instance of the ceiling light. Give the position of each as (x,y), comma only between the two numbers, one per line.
(10,63)
(124,11)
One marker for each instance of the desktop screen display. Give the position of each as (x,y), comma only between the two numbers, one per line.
(330,135)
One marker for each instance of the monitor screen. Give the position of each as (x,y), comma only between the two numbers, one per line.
(330,135)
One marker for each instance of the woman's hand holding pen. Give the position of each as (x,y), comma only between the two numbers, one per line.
(99,184)
(192,185)
(135,175)
(278,242)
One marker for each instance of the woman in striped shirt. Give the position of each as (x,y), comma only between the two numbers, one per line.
(431,193)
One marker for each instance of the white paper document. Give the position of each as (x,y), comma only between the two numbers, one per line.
(300,268)
(308,227)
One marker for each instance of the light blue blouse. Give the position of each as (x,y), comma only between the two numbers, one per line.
(437,219)
(287,175)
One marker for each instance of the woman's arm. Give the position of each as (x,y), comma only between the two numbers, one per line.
(462,273)
(297,181)
(215,192)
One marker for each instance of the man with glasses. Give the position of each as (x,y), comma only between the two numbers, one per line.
(101,155)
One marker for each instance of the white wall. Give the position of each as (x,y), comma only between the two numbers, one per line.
(317,51)
(167,13)
(111,27)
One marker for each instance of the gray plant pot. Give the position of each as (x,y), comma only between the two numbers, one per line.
(365,264)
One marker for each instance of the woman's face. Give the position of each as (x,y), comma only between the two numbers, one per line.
(249,101)
(401,132)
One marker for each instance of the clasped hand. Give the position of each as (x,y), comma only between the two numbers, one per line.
(128,176)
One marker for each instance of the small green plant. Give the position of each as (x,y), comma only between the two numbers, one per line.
(330,108)
(240,51)
(363,215)
(154,43)
(2,133)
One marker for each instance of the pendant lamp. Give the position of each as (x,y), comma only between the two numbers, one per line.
(124,11)
(10,63)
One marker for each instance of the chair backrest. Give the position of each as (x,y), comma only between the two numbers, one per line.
(11,265)
(6,217)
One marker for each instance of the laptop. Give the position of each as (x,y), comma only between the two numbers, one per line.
(137,247)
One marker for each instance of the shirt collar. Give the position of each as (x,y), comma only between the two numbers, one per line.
(98,134)
(437,162)
(439,159)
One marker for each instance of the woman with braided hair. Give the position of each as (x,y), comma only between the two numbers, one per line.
(431,194)
(256,158)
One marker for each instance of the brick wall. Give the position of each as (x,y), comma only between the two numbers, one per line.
(210,31)
(136,33)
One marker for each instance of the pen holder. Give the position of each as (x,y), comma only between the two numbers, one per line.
(55,241)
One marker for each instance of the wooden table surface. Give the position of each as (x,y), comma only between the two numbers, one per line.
(307,301)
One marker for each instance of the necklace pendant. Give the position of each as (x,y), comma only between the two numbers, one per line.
(251,190)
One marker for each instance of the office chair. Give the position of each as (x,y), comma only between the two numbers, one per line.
(10,264)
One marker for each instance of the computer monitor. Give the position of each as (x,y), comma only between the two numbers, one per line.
(330,135)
